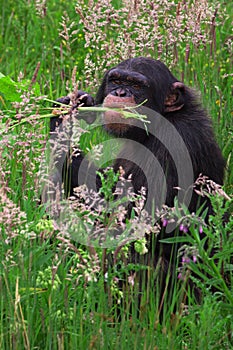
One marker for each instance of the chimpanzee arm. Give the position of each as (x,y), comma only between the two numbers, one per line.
(64,166)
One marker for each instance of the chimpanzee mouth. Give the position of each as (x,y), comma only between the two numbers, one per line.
(115,122)
(114,119)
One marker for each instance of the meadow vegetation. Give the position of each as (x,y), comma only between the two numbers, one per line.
(55,292)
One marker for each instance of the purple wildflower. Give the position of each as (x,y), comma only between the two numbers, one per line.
(181,227)
(180,276)
(185,259)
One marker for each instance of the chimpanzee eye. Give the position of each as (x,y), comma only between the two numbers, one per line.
(136,86)
(117,82)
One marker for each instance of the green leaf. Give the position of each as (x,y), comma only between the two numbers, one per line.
(178,239)
(8,88)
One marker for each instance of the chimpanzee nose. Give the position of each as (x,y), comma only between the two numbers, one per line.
(120,92)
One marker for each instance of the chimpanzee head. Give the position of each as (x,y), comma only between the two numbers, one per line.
(135,81)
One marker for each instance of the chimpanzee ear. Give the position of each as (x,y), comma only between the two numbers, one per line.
(175,98)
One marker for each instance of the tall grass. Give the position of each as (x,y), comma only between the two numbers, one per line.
(56,294)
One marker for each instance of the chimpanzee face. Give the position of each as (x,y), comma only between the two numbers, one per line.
(138,81)
(123,89)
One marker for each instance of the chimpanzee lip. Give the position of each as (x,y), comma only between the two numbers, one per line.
(118,105)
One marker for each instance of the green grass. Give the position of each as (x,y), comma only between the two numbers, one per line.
(55,293)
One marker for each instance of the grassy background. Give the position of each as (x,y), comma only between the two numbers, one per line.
(50,299)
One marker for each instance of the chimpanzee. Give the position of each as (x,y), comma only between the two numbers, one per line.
(171,150)
(165,155)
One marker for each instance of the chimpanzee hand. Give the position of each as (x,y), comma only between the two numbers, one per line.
(81,98)
(75,100)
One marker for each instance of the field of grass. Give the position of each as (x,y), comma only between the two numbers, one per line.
(55,293)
